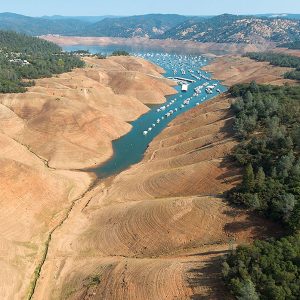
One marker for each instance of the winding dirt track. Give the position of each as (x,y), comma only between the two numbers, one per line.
(159,229)
(155,231)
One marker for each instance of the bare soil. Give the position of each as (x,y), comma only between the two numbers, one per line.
(158,230)
(63,123)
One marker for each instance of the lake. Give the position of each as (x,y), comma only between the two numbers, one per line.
(130,148)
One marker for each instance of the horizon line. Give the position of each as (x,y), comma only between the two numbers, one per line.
(151,13)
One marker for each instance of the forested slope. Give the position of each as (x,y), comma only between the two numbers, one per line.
(281,60)
(23,58)
(268,125)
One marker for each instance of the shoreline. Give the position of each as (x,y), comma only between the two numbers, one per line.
(38,185)
(189,47)
(163,197)
(115,164)
(233,69)
(121,200)
(134,188)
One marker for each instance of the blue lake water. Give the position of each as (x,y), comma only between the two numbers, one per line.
(130,148)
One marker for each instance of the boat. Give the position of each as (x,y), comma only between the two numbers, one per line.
(184,87)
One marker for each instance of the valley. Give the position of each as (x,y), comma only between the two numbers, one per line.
(61,125)
(159,226)
(159,229)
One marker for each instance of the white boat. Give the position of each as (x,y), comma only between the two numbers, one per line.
(184,87)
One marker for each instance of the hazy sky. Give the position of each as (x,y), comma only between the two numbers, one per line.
(131,7)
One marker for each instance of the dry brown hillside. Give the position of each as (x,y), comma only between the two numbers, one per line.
(159,229)
(237,69)
(155,231)
(63,123)
(165,45)
(70,120)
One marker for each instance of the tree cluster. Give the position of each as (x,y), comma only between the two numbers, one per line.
(265,270)
(291,45)
(268,126)
(120,53)
(281,60)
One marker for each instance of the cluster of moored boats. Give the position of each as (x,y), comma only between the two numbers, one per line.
(188,69)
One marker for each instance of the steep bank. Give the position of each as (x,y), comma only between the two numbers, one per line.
(63,123)
(236,69)
(167,45)
(155,231)
(70,120)
(159,229)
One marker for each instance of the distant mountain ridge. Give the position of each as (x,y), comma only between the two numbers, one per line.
(237,29)
(286,16)
(39,26)
(88,19)
(221,29)
(152,25)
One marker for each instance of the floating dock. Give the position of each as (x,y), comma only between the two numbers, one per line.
(182,79)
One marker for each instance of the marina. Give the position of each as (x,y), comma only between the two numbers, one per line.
(184,99)
(194,87)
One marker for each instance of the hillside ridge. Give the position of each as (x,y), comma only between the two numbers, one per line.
(224,28)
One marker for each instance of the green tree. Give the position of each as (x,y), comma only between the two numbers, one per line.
(120,53)
(249,178)
(247,291)
(254,87)
(260,179)
(249,97)
(285,164)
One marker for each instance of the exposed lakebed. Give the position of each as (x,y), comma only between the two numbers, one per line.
(130,148)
